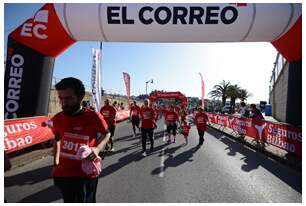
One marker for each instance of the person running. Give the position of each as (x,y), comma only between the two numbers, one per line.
(73,128)
(134,115)
(183,114)
(109,113)
(185,130)
(171,117)
(86,104)
(177,109)
(147,116)
(201,123)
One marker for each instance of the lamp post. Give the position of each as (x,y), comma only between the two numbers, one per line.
(150,81)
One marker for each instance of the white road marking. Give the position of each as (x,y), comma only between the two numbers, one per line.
(162,159)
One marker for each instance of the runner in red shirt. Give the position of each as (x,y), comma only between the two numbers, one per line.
(134,115)
(185,127)
(171,118)
(109,113)
(147,115)
(201,123)
(73,128)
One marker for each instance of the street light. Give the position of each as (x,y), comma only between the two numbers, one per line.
(150,81)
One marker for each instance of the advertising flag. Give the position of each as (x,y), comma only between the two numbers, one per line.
(127,79)
(96,85)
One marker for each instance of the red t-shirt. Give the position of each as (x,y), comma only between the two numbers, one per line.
(109,114)
(185,129)
(135,111)
(73,132)
(147,116)
(177,109)
(201,121)
(183,114)
(171,117)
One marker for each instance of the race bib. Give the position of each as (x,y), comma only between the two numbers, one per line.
(170,117)
(134,113)
(147,115)
(71,143)
(200,120)
(105,114)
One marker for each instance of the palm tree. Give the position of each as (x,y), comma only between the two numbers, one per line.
(244,94)
(233,94)
(220,90)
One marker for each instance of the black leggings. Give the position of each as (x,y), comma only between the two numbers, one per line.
(77,189)
(144,134)
(201,136)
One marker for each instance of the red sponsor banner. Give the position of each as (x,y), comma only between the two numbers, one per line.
(22,133)
(202,83)
(127,81)
(44,32)
(280,135)
(283,136)
(26,132)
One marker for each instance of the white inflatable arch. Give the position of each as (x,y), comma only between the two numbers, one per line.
(33,46)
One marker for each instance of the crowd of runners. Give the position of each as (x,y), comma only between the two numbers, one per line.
(82,136)
(143,119)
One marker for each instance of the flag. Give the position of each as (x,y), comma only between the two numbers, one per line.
(96,85)
(127,79)
(202,82)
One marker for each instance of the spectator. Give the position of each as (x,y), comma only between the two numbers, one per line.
(255,113)
(122,106)
(243,110)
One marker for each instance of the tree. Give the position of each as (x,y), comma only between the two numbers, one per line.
(233,93)
(221,91)
(244,94)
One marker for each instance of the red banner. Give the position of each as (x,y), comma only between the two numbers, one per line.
(127,81)
(280,135)
(22,133)
(25,132)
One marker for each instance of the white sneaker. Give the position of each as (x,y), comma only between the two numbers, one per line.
(144,154)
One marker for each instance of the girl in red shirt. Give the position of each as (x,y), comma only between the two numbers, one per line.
(185,130)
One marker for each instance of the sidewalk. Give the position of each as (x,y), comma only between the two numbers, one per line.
(269,150)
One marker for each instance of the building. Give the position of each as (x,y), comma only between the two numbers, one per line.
(285,91)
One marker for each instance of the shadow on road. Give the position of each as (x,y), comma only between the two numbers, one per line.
(32,177)
(174,161)
(125,160)
(29,177)
(253,159)
(47,195)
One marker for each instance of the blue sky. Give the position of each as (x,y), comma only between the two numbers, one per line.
(174,67)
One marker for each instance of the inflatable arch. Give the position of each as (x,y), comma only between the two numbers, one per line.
(34,45)
(169,95)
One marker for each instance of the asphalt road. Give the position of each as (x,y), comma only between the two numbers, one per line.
(222,170)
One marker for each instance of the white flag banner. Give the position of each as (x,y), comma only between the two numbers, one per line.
(96,85)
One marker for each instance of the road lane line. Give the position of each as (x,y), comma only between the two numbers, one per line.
(162,159)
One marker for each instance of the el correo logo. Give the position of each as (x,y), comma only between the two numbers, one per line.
(36,28)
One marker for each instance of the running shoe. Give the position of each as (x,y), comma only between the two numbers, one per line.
(144,154)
